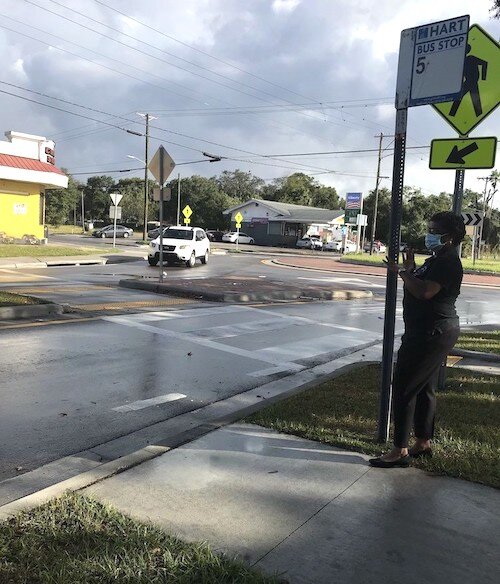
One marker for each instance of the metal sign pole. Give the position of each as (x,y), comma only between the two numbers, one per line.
(179,199)
(162,180)
(392,278)
(458,192)
(115,213)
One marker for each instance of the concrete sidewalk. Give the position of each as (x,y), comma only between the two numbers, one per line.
(312,513)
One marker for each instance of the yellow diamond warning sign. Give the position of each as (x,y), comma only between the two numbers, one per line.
(480,93)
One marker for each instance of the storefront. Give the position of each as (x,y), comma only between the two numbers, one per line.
(27,168)
(282,224)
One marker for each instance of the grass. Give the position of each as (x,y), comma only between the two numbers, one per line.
(484,265)
(9,299)
(39,251)
(484,341)
(343,412)
(65,229)
(76,540)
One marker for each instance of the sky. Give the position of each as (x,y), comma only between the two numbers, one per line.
(252,81)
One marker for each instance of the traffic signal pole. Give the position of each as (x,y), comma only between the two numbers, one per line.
(375,210)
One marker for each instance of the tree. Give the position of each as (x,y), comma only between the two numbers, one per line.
(383,213)
(205,199)
(495,9)
(96,197)
(325,197)
(297,189)
(60,203)
(240,185)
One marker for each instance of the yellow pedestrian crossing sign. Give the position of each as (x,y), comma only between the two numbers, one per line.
(238,219)
(458,153)
(481,85)
(187,212)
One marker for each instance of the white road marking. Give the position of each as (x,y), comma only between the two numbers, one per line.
(129,321)
(147,403)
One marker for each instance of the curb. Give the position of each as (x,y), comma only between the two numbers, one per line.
(491,357)
(188,426)
(242,297)
(29,311)
(50,263)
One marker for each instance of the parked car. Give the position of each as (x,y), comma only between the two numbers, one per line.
(214,235)
(310,242)
(181,244)
(333,245)
(336,245)
(378,247)
(121,231)
(232,236)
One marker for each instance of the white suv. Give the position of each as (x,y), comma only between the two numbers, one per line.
(180,244)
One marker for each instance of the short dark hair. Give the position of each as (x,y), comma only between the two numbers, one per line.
(452,224)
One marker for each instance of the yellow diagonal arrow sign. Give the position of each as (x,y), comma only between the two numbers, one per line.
(465,153)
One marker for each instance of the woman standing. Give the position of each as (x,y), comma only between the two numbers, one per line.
(431,331)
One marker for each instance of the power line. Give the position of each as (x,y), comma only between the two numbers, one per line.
(132,76)
(200,50)
(158,58)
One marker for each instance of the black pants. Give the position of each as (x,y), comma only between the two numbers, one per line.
(415,381)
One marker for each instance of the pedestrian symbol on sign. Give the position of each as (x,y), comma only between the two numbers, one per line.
(474,67)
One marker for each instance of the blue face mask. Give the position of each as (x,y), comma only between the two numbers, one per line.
(433,241)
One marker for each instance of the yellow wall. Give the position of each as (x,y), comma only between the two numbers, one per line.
(25,199)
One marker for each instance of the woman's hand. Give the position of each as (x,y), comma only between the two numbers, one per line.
(392,266)
(408,259)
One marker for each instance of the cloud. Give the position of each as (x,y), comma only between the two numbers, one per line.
(242,79)
(285,5)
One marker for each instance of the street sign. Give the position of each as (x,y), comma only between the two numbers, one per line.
(472,218)
(167,194)
(168,165)
(187,212)
(115,212)
(238,219)
(431,62)
(468,153)
(116,198)
(362,220)
(480,93)
(353,206)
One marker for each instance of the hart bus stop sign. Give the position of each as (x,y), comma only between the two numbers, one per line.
(431,62)
(430,70)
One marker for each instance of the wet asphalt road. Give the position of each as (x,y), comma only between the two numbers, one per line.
(69,387)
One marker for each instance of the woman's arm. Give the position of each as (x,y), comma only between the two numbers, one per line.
(421,289)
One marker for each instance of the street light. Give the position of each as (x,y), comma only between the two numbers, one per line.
(135,158)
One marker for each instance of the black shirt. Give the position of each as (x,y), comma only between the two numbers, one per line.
(423,316)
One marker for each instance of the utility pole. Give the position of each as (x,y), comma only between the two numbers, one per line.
(146,193)
(147,117)
(375,209)
(83,214)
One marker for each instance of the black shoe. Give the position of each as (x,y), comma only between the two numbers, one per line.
(402,462)
(421,453)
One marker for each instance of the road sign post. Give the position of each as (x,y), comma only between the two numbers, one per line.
(116,198)
(238,218)
(161,166)
(430,70)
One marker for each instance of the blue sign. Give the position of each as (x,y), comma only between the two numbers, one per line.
(353,200)
(344,230)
